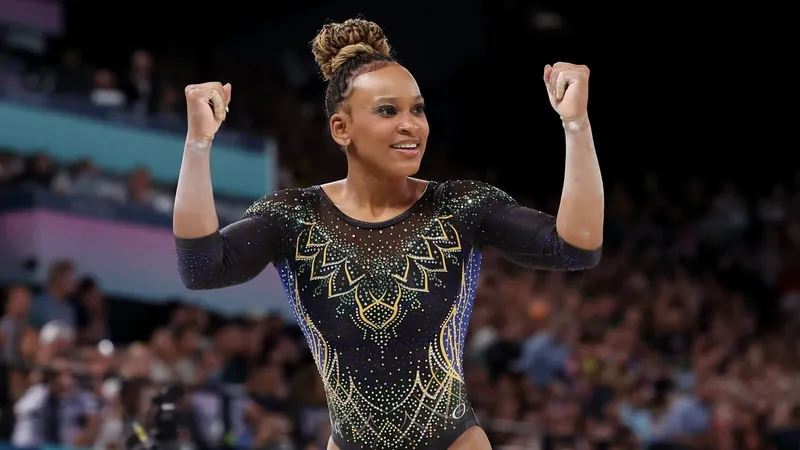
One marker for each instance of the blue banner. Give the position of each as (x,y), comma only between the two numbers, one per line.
(70,130)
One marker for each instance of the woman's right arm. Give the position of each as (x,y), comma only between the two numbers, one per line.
(194,214)
(209,258)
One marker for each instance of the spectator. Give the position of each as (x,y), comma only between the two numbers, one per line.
(39,171)
(14,322)
(55,411)
(105,92)
(91,313)
(72,77)
(53,303)
(141,89)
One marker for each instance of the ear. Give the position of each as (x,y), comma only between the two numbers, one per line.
(339,129)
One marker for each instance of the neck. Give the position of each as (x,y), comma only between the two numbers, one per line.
(375,190)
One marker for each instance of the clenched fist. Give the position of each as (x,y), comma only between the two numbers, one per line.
(568,88)
(206,107)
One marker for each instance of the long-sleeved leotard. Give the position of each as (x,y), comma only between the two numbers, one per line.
(384,306)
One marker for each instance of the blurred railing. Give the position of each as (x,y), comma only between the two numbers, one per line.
(70,128)
(81,107)
(130,248)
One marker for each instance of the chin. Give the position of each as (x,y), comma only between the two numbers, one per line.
(393,167)
(406,169)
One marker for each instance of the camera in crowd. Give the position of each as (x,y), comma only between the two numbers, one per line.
(165,419)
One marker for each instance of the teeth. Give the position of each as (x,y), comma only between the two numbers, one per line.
(405,146)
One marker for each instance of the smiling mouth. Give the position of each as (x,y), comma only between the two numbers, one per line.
(407,147)
(407,150)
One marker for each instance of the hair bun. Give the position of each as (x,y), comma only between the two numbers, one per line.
(337,42)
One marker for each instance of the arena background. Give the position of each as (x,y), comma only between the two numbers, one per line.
(685,336)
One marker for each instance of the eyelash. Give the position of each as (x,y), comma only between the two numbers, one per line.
(389,110)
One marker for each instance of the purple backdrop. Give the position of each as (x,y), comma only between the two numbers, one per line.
(41,15)
(129,259)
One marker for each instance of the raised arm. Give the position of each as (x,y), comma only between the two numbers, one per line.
(208,258)
(580,215)
(572,241)
(194,214)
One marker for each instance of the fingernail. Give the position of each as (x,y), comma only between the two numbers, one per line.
(227,110)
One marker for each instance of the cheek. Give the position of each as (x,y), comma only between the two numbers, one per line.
(375,133)
(424,128)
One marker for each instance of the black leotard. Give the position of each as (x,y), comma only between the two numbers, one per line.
(384,306)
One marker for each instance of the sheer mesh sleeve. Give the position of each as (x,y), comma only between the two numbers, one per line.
(240,251)
(523,235)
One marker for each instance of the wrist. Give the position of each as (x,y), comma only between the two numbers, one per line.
(575,125)
(198,143)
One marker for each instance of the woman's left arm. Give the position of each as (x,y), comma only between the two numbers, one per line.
(573,240)
(580,215)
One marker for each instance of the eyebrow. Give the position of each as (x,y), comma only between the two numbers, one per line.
(418,98)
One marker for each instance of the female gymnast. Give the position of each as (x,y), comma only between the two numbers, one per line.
(381,268)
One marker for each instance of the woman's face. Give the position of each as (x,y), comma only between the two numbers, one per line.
(385,128)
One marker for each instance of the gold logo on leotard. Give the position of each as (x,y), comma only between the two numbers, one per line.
(434,260)
(324,268)
(377,311)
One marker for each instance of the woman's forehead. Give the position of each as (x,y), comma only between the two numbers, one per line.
(392,82)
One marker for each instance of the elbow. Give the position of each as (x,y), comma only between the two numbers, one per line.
(592,258)
(192,286)
(563,257)
(199,284)
(208,278)
(198,261)
(576,258)
(195,284)
(195,275)
(192,283)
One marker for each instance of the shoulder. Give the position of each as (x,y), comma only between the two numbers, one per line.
(471,192)
(285,201)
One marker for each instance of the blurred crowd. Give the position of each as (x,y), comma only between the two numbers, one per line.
(82,178)
(685,336)
(153,88)
(66,382)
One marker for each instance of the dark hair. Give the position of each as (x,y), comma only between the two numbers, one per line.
(345,50)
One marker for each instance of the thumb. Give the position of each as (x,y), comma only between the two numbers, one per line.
(227,90)
(561,85)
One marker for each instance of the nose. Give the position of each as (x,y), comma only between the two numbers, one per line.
(407,127)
